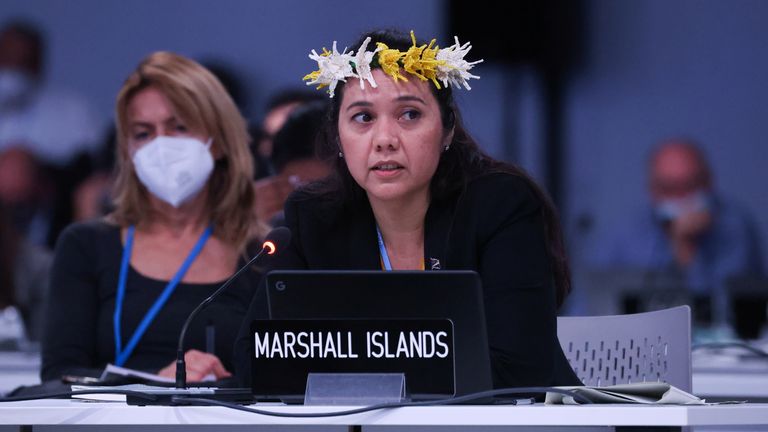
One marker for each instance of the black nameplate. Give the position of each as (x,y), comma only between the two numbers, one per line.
(286,351)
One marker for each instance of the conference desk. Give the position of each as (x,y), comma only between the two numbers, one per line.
(77,415)
(715,378)
(722,377)
(730,374)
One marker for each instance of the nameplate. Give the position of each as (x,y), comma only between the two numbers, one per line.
(286,351)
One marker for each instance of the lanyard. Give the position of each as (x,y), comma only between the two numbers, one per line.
(385,256)
(383,251)
(121,356)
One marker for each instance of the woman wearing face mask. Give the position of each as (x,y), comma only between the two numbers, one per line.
(122,287)
(412,191)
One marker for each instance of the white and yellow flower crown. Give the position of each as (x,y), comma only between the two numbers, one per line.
(425,62)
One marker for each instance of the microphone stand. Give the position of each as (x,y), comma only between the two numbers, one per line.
(279,237)
(181,365)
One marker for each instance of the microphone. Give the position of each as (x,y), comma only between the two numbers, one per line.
(275,241)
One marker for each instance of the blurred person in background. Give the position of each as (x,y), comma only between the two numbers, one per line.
(24,269)
(294,158)
(24,263)
(279,107)
(26,193)
(55,126)
(92,197)
(689,228)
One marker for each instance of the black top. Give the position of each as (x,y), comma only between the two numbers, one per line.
(79,334)
(494,227)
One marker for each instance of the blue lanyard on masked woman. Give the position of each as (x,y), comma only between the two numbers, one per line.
(122,355)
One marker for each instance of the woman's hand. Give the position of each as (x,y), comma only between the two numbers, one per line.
(199,366)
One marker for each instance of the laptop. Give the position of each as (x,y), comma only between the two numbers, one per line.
(379,297)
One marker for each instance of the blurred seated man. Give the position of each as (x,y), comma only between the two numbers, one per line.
(25,214)
(279,107)
(92,198)
(689,228)
(25,193)
(295,160)
(24,272)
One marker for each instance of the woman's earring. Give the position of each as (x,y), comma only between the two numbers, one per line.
(447,146)
(341,155)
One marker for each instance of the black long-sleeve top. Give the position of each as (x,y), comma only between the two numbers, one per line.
(495,227)
(79,334)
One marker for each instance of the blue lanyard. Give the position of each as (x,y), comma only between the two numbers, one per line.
(121,356)
(383,251)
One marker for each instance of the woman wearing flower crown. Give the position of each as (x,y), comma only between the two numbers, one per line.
(121,287)
(412,190)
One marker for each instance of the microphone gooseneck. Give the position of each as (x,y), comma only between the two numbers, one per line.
(275,241)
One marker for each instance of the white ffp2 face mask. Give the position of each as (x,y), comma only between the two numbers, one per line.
(174,168)
(672,209)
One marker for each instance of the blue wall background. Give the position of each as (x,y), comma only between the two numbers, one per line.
(94,44)
(652,68)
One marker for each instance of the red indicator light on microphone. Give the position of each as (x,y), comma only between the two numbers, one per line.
(270,247)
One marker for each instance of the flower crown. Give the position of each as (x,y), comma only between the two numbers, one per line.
(424,62)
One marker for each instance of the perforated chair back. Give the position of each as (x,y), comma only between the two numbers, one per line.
(620,349)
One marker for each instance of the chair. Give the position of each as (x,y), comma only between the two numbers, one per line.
(620,349)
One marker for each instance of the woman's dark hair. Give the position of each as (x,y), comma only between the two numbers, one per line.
(462,162)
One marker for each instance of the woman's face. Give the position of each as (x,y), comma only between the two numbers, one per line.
(391,137)
(150,114)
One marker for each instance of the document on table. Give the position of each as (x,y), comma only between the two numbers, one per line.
(638,393)
(142,388)
(112,370)
(132,373)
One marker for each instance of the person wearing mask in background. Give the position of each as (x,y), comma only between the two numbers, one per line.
(689,228)
(57,127)
(294,158)
(92,197)
(122,286)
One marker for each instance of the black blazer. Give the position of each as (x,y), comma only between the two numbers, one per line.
(494,227)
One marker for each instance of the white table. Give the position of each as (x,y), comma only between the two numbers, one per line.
(79,414)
